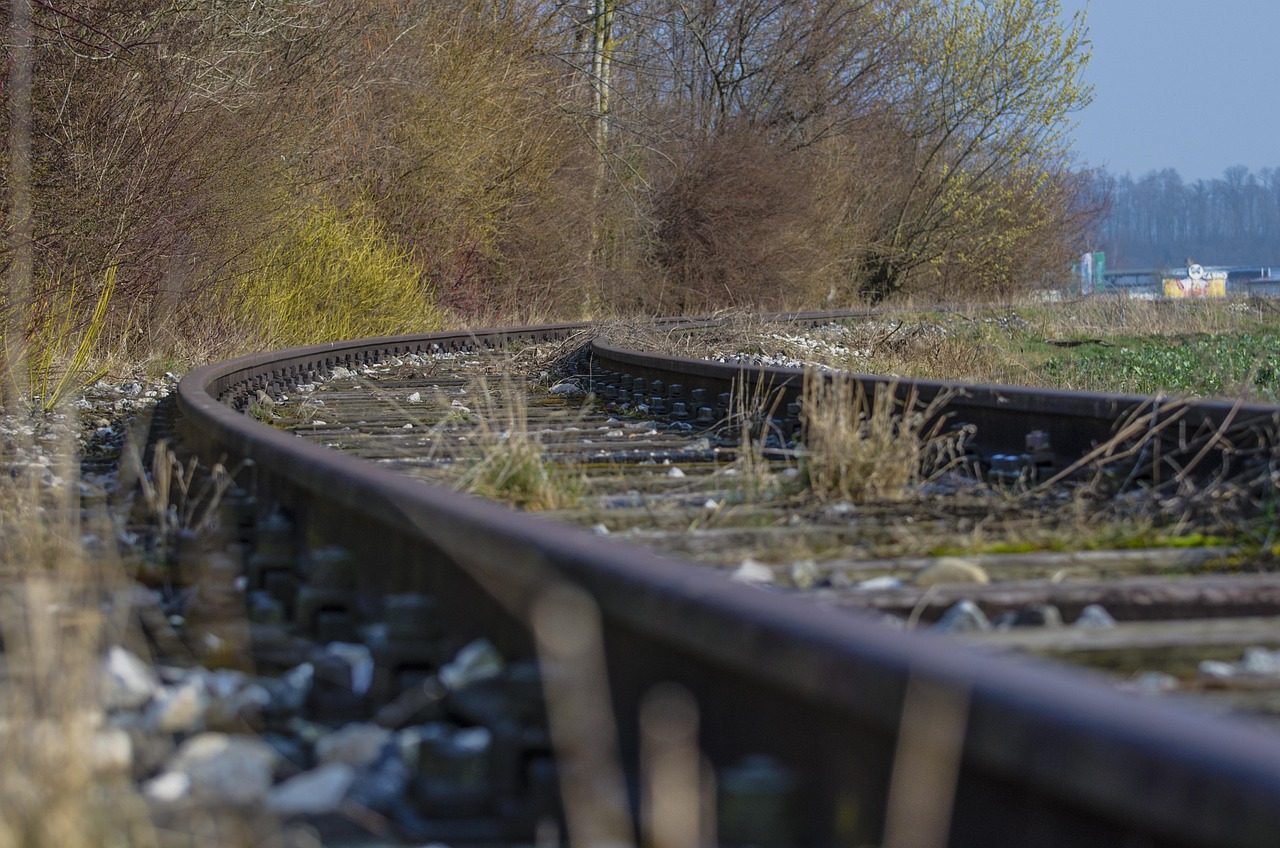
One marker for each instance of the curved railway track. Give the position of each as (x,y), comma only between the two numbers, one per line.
(822,728)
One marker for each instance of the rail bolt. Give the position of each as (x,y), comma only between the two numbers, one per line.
(1040,450)
(273,564)
(453,770)
(756,804)
(324,609)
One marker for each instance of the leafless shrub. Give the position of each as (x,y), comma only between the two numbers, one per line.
(730,222)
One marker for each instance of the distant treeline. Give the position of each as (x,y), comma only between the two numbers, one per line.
(1157,220)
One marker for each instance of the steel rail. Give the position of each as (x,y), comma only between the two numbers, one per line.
(1049,756)
(1070,424)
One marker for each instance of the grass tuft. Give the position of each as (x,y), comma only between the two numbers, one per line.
(863,448)
(59,353)
(512,465)
(63,778)
(752,418)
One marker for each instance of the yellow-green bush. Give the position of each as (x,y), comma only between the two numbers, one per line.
(61,348)
(329,276)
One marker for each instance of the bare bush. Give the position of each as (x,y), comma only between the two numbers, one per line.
(730,224)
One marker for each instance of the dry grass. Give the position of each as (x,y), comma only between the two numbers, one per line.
(513,466)
(863,448)
(752,418)
(66,599)
(61,777)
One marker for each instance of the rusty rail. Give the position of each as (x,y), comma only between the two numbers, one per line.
(1047,756)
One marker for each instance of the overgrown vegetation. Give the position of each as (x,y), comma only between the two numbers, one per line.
(1245,364)
(861,448)
(268,173)
(510,462)
(59,354)
(59,766)
(332,276)
(1203,349)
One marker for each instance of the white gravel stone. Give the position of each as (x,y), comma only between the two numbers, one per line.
(179,709)
(1260,662)
(961,617)
(112,751)
(1215,670)
(477,661)
(1095,615)
(221,767)
(804,574)
(289,692)
(168,787)
(125,681)
(753,572)
(355,745)
(314,792)
(358,659)
(567,389)
(877,584)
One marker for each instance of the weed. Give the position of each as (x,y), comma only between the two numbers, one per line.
(752,419)
(1241,364)
(175,501)
(512,465)
(861,448)
(54,369)
(61,776)
(262,408)
(287,414)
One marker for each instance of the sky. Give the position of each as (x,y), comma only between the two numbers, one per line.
(1184,84)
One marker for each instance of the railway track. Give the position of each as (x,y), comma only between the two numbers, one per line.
(821,727)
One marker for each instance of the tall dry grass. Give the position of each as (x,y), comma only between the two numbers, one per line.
(512,464)
(861,445)
(64,774)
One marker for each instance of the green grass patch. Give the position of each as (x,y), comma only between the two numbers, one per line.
(1106,537)
(1238,364)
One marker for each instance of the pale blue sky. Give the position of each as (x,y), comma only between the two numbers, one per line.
(1187,84)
